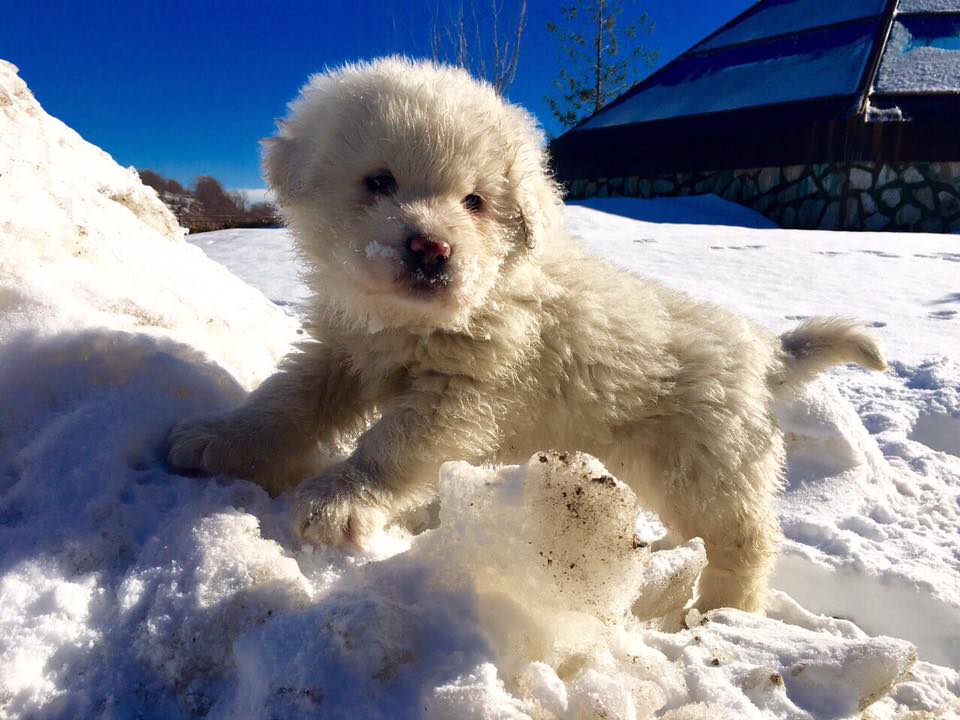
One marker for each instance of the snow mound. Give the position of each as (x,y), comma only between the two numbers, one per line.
(86,244)
(42,160)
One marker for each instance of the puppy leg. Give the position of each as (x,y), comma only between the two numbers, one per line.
(396,461)
(740,557)
(734,513)
(272,438)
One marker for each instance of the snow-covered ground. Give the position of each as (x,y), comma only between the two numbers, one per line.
(267,260)
(128,591)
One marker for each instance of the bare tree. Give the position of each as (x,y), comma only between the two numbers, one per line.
(240,200)
(475,40)
(597,71)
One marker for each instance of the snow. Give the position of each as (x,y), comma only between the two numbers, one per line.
(69,220)
(128,591)
(267,261)
(935,6)
(904,285)
(909,65)
(871,476)
(376,249)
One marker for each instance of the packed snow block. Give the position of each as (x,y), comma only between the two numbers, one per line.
(551,552)
(87,245)
(668,583)
(576,545)
(580,527)
(560,527)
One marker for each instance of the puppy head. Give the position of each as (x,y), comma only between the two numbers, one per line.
(412,189)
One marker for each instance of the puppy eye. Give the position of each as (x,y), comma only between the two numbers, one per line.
(473,203)
(381,184)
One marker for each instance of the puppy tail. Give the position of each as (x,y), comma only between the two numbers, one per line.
(822,342)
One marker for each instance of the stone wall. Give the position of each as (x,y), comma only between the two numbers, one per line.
(921,197)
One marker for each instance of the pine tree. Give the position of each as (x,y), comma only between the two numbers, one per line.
(599,69)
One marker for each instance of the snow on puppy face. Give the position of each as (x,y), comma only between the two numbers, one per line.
(410,187)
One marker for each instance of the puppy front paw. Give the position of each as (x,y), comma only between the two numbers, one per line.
(341,506)
(208,445)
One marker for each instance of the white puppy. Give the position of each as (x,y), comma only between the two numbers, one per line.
(453,311)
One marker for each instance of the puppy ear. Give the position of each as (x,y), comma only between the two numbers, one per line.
(536,196)
(283,163)
(532,219)
(539,206)
(290,156)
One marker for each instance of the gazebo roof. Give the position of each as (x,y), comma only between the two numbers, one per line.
(788,81)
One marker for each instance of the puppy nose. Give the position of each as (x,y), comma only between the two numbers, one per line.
(427,251)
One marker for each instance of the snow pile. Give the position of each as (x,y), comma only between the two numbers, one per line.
(42,161)
(87,244)
(515,605)
(909,67)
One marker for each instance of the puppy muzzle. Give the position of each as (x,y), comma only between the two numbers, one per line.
(427,260)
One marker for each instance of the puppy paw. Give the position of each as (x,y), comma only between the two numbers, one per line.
(339,507)
(208,445)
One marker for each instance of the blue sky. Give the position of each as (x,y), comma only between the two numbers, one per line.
(188,88)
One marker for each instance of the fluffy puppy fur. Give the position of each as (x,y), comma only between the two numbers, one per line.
(506,340)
